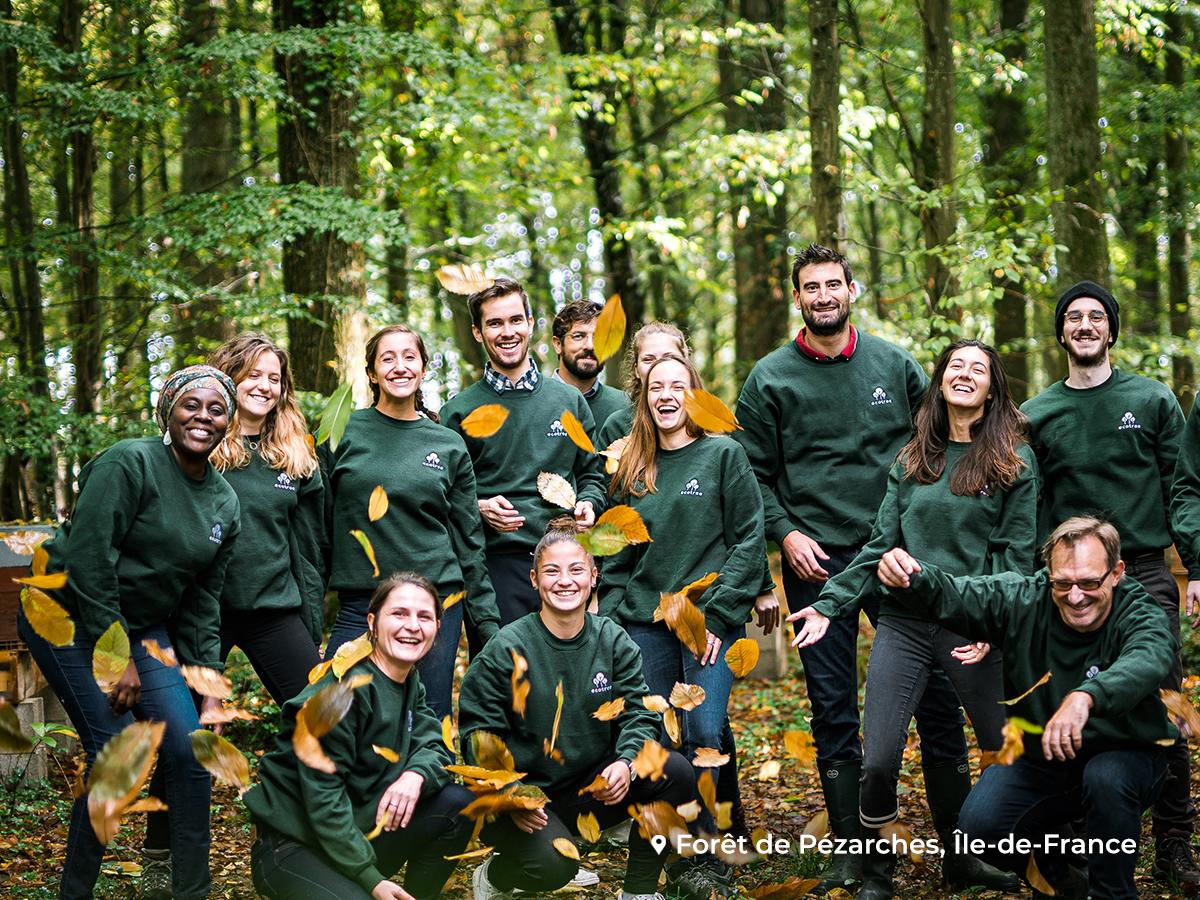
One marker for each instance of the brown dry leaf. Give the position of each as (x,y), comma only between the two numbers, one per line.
(25,543)
(659,818)
(520,689)
(1014,743)
(612,454)
(576,432)
(650,760)
(690,810)
(610,710)
(207,682)
(449,733)
(709,758)
(558,693)
(452,599)
(465,278)
(610,329)
(706,786)
(901,834)
(566,847)
(351,654)
(365,543)
(319,714)
(627,521)
(491,752)
(800,746)
(471,854)
(387,753)
(377,507)
(685,620)
(110,657)
(146,805)
(695,590)
(551,751)
(1036,879)
(224,761)
(588,827)
(789,889)
(709,412)
(484,421)
(655,703)
(1045,678)
(671,724)
(724,815)
(167,657)
(485,779)
(599,783)
(556,490)
(686,696)
(1181,711)
(120,770)
(12,740)
(51,581)
(742,657)
(524,796)
(48,620)
(818,825)
(226,714)
(768,771)
(318,671)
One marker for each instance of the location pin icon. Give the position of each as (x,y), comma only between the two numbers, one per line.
(658,842)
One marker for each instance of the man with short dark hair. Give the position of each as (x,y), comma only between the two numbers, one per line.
(531,440)
(1092,684)
(1106,442)
(573,338)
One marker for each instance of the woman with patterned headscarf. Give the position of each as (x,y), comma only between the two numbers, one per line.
(147,544)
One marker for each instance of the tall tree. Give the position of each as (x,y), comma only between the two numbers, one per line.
(759,213)
(399,17)
(1178,204)
(824,117)
(1073,140)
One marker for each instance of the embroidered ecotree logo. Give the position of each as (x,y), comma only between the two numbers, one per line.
(1129,420)
(692,489)
(432,461)
(879,396)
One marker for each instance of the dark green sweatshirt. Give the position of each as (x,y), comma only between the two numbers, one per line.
(1185,496)
(333,813)
(821,436)
(146,544)
(606,401)
(983,534)
(277,512)
(531,441)
(1110,451)
(599,664)
(704,516)
(615,427)
(432,523)
(1120,664)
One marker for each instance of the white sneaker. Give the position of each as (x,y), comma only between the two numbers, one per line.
(584,878)
(625,896)
(482,889)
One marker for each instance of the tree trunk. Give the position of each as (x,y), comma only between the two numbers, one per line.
(759,214)
(1178,250)
(1073,140)
(318,146)
(829,224)
(935,157)
(399,16)
(1010,174)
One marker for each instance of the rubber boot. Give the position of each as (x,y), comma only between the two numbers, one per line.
(878,867)
(839,782)
(946,789)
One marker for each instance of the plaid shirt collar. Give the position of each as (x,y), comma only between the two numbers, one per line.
(501,383)
(588,394)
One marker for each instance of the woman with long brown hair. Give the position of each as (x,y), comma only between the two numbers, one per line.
(962,494)
(431,520)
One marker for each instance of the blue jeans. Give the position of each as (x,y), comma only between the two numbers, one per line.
(1033,797)
(831,679)
(436,667)
(164,698)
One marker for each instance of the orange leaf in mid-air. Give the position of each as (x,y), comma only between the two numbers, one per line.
(707,789)
(599,783)
(110,657)
(709,412)
(448,734)
(1182,713)
(742,657)
(576,432)
(48,620)
(471,854)
(1045,678)
(655,703)
(650,760)
(1015,730)
(377,507)
(120,770)
(686,696)
(800,746)
(51,581)
(768,770)
(319,714)
(520,684)
(350,654)
(452,599)
(387,753)
(146,804)
(709,758)
(610,710)
(558,693)
(226,714)
(479,779)
(659,818)
(610,329)
(685,620)
(491,752)
(484,421)
(626,520)
(464,278)
(368,549)
(318,671)
(612,454)
(566,847)
(223,760)
(671,724)
(207,682)
(1037,881)
(525,796)
(588,827)
(818,825)
(165,656)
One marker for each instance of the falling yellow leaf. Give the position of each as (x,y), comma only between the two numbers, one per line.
(724,814)
(471,854)
(556,490)
(387,753)
(1014,741)
(566,847)
(26,543)
(818,825)
(207,682)
(709,412)
(452,599)
(768,770)
(468,278)
(165,656)
(479,779)
(610,710)
(378,506)
(490,751)
(484,421)
(41,558)
(318,671)
(223,760)
(650,760)
(12,740)
(1037,881)
(610,329)
(685,620)
(706,787)
(1181,711)
(598,785)
(351,654)
(51,581)
(659,818)
(520,685)
(448,734)
(524,796)
(800,746)
(110,657)
(655,703)
(588,827)
(627,521)
(48,620)
(709,758)
(378,829)
(612,454)
(1045,678)
(742,657)
(576,432)
(120,770)
(319,714)
(558,693)
(365,543)
(147,805)
(225,714)
(671,724)
(686,696)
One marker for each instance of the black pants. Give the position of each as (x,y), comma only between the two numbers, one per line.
(515,595)
(530,862)
(284,869)
(1173,814)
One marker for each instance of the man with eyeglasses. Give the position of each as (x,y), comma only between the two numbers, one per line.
(1106,443)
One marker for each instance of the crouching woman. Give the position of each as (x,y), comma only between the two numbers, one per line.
(313,825)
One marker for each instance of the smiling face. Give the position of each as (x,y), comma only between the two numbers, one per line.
(260,388)
(654,347)
(404,628)
(504,331)
(967,381)
(397,368)
(1087,339)
(1082,584)
(198,422)
(577,352)
(824,297)
(666,384)
(565,577)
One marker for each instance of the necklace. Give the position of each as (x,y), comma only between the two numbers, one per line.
(253,444)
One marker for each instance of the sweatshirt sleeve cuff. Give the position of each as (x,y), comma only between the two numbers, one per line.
(827,608)
(368,878)
(1099,697)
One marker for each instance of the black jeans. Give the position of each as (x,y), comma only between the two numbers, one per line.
(1033,797)
(831,677)
(1174,814)
(905,655)
(284,869)
(515,595)
(530,862)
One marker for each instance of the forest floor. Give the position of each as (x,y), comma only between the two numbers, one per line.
(33,818)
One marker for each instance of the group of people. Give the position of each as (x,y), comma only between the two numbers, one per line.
(921,501)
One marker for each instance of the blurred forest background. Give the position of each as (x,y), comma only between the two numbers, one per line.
(175,171)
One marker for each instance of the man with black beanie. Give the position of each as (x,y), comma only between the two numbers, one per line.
(1106,443)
